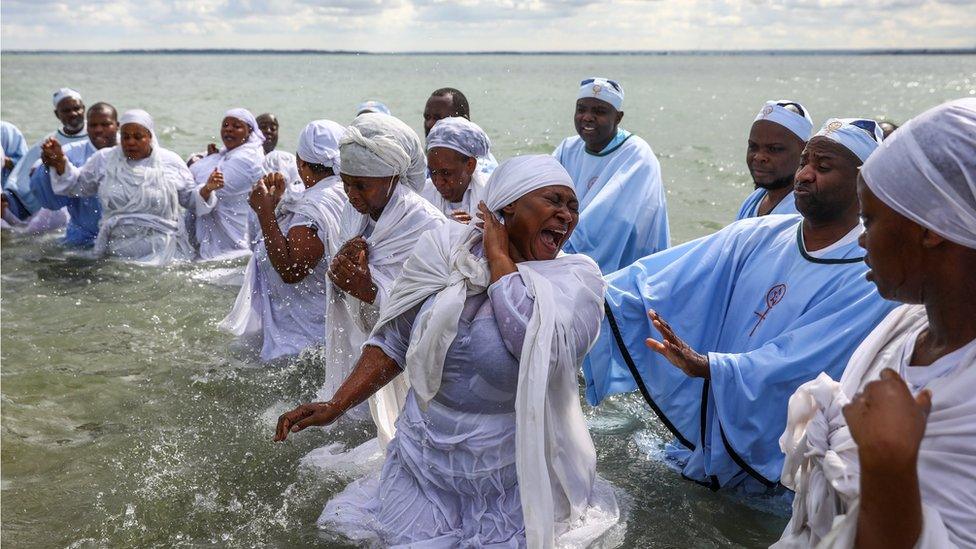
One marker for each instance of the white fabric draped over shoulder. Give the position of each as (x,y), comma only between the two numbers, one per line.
(555,457)
(821,457)
(222,229)
(142,218)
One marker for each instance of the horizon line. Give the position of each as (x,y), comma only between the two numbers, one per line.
(312,51)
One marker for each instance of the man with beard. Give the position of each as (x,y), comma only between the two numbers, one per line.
(753,311)
(777,138)
(70,111)
(623,211)
(84,212)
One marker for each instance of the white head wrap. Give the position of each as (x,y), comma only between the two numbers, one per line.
(372,106)
(142,118)
(245,116)
(459,134)
(319,143)
(379,145)
(926,171)
(65,93)
(861,136)
(776,111)
(520,175)
(603,89)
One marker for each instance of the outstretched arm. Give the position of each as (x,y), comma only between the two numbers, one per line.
(373,370)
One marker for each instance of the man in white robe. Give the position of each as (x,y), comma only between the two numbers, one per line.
(276,160)
(887,456)
(623,211)
(776,139)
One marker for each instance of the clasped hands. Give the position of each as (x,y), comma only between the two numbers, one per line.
(349,270)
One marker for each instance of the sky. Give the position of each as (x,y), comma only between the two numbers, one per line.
(483,25)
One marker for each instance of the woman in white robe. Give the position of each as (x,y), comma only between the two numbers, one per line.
(887,456)
(490,326)
(143,189)
(281,304)
(221,232)
(456,185)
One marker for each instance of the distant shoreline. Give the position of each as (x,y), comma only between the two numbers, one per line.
(677,53)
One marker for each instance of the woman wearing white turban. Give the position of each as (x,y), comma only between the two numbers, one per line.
(490,326)
(887,456)
(456,186)
(221,230)
(380,225)
(281,303)
(142,187)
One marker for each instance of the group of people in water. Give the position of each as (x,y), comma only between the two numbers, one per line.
(821,347)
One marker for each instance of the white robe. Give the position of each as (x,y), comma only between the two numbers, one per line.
(222,231)
(349,321)
(142,217)
(469,201)
(290,317)
(821,457)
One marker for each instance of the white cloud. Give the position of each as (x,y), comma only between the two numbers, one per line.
(473,25)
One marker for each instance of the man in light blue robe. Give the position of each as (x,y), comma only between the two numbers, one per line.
(753,311)
(776,139)
(623,212)
(14,147)
(84,213)
(70,111)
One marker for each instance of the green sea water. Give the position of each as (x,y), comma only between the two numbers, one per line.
(129,420)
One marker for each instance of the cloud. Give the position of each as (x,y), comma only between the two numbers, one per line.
(478,25)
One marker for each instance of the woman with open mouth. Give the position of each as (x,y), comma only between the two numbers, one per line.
(221,232)
(489,322)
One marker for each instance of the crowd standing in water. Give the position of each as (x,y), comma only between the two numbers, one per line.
(821,349)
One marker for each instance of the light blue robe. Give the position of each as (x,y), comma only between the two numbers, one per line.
(14,146)
(769,316)
(84,212)
(748,209)
(18,183)
(623,212)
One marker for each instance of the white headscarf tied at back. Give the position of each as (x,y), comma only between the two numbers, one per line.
(777,112)
(318,143)
(548,413)
(142,118)
(459,134)
(245,116)
(861,136)
(926,171)
(63,94)
(372,106)
(379,145)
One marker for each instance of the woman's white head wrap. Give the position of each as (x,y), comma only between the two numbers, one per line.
(520,175)
(926,171)
(142,118)
(319,143)
(245,116)
(379,145)
(459,134)
(861,136)
(777,112)
(372,106)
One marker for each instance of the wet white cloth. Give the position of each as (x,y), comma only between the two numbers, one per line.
(555,486)
(469,200)
(858,135)
(603,89)
(289,317)
(142,217)
(284,163)
(775,111)
(821,457)
(459,134)
(222,230)
(379,145)
(390,240)
(926,171)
